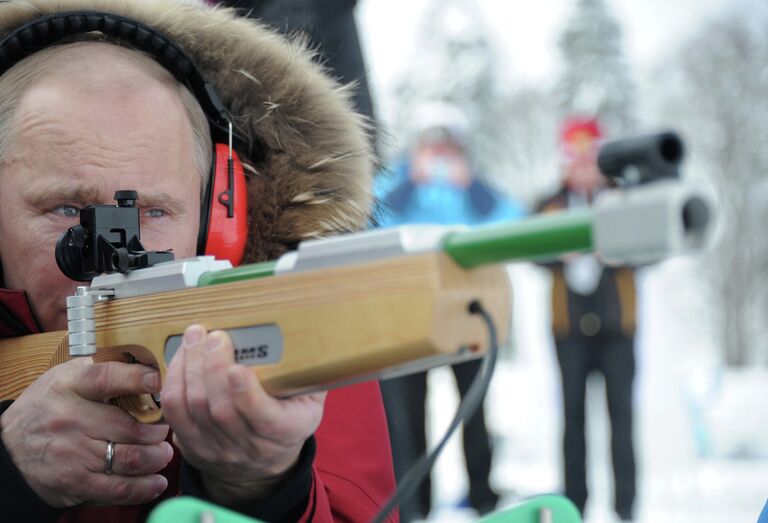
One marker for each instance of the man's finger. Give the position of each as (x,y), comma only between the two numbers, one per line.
(101,381)
(259,410)
(110,423)
(130,460)
(125,490)
(220,356)
(174,395)
(194,342)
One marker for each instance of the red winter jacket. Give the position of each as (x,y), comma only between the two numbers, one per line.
(349,479)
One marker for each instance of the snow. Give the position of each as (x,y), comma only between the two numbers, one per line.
(700,429)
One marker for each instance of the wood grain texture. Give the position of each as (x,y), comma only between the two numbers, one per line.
(338,324)
(24,359)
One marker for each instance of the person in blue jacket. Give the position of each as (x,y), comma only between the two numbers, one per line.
(435,182)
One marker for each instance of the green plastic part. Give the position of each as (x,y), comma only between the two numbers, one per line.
(548,508)
(535,239)
(242,273)
(193,510)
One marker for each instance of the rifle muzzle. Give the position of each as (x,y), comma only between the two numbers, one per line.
(649,223)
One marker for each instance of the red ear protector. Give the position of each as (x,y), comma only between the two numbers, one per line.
(226,205)
(223,210)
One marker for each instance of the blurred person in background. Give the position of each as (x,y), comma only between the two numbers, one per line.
(593,323)
(435,182)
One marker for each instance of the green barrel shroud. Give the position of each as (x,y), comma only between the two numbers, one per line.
(539,238)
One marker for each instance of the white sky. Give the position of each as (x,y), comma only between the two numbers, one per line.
(526,32)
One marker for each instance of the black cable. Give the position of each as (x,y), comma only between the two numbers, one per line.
(467,408)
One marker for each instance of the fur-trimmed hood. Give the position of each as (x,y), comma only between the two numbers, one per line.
(317,178)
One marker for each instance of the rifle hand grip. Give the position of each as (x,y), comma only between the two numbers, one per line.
(142,407)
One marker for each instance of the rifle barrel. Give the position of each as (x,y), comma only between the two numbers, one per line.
(537,238)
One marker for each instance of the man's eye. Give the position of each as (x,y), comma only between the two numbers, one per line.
(68,211)
(154,213)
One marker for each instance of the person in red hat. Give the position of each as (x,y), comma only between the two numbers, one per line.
(593,323)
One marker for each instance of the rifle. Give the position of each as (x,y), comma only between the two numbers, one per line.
(372,304)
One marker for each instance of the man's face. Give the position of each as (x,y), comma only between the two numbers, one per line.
(440,161)
(76,146)
(581,172)
(583,176)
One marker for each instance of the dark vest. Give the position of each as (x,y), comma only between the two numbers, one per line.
(608,311)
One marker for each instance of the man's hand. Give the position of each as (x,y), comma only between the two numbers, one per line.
(240,438)
(58,430)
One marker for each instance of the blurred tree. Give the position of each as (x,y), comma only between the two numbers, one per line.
(454,61)
(595,78)
(718,96)
(531,163)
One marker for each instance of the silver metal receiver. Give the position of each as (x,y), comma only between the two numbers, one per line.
(163,277)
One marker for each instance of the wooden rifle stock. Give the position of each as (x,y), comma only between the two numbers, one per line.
(339,325)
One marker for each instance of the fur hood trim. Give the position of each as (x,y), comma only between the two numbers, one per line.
(316,180)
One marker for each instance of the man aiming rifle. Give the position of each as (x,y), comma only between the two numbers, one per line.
(111,95)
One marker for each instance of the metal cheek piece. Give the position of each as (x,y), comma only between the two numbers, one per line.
(109,456)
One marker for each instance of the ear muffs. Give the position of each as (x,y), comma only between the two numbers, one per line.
(224,209)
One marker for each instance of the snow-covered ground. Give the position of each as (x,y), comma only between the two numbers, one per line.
(701,431)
